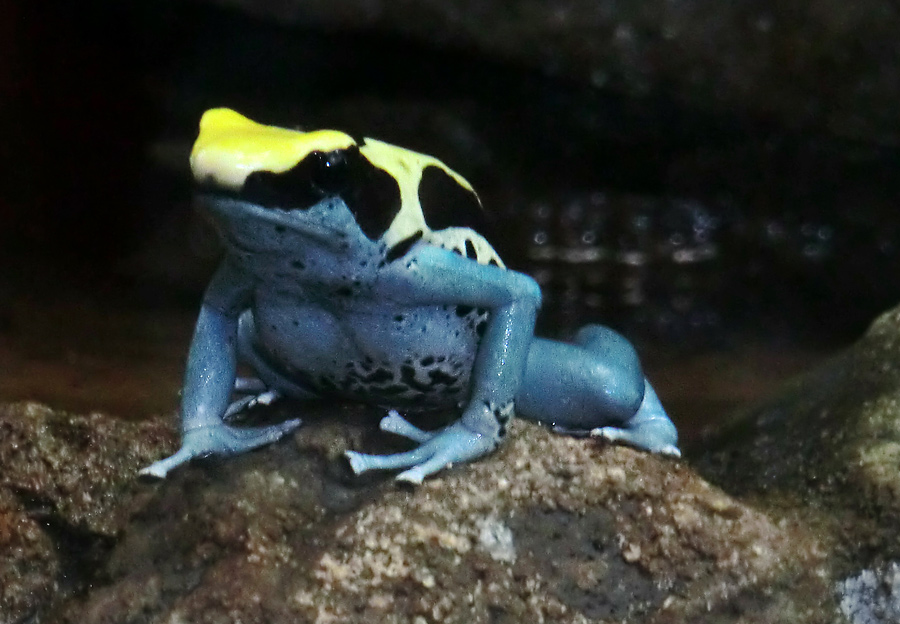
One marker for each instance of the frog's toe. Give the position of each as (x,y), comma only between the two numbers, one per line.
(669,450)
(363,462)
(452,445)
(161,468)
(650,439)
(423,463)
(249,385)
(417,474)
(267,398)
(244,403)
(396,424)
(218,440)
(236,440)
(237,406)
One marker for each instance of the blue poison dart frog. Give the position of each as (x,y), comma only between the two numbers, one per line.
(354,269)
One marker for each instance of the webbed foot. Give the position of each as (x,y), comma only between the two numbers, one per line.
(437,450)
(218,440)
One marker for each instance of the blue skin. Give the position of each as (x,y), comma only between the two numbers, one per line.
(313,306)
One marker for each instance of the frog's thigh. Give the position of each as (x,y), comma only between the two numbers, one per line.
(596,381)
(248,354)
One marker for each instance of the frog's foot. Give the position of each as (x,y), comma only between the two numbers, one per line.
(267,397)
(649,429)
(438,450)
(218,440)
(644,438)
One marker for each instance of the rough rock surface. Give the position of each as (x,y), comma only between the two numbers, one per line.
(827,451)
(65,484)
(549,529)
(29,567)
(823,63)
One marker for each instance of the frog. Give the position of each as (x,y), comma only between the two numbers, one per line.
(356,270)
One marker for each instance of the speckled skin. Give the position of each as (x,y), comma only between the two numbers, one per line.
(329,326)
(317,308)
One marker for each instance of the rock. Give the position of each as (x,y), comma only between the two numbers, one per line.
(872,596)
(549,528)
(830,439)
(29,566)
(826,452)
(66,482)
(76,468)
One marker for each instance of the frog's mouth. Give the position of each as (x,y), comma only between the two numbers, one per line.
(241,218)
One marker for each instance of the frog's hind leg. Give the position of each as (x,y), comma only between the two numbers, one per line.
(269,379)
(650,427)
(595,387)
(269,386)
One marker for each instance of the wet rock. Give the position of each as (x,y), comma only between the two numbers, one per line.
(66,482)
(818,63)
(549,528)
(826,451)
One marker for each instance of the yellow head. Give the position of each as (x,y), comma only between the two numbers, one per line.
(391,191)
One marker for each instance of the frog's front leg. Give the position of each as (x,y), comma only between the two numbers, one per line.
(437,276)
(209,381)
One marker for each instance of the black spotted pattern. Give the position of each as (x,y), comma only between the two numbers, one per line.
(502,414)
(425,383)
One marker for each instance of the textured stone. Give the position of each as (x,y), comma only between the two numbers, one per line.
(66,482)
(824,452)
(589,532)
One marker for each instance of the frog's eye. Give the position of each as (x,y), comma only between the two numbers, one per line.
(320,174)
(330,172)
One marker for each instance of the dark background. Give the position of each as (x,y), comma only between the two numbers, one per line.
(733,243)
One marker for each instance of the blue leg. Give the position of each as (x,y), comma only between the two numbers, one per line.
(209,382)
(595,386)
(396,424)
(438,276)
(271,379)
(271,384)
